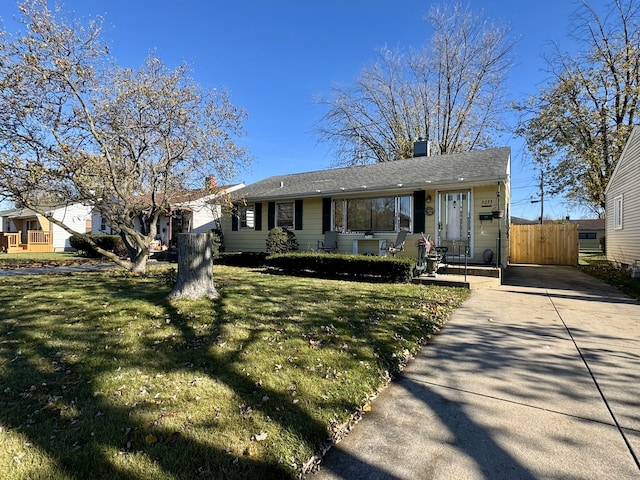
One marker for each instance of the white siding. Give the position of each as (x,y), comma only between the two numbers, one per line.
(623,245)
(204,215)
(75,217)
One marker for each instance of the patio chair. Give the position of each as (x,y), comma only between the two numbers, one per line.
(398,245)
(330,242)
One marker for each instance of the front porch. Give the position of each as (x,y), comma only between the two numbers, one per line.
(34,241)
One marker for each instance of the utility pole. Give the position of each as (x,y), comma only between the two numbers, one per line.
(541,196)
(541,200)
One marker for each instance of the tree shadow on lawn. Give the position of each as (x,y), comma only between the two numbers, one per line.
(50,400)
(51,380)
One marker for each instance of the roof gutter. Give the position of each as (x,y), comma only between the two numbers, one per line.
(426,185)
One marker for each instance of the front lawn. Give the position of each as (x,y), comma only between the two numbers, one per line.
(103,378)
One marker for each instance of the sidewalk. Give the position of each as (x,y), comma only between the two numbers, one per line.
(536,379)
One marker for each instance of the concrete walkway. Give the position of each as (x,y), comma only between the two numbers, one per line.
(536,379)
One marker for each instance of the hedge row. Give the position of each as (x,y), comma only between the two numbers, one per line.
(353,267)
(111,243)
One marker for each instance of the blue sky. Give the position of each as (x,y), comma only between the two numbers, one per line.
(275,57)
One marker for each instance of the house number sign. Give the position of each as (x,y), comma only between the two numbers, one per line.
(487,203)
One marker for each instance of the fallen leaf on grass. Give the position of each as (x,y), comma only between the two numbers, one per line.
(259,437)
(151,439)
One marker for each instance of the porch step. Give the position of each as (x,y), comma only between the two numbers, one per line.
(475,270)
(472,282)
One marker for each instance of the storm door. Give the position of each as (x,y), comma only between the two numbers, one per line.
(454,221)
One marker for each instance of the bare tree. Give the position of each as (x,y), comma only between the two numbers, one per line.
(125,142)
(578,124)
(450,93)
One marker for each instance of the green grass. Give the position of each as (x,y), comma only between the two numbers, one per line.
(591,258)
(102,377)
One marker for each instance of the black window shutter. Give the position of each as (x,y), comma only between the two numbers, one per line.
(297,222)
(258,216)
(418,211)
(326,214)
(271,215)
(234,219)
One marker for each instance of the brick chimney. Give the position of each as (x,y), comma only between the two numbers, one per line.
(210,182)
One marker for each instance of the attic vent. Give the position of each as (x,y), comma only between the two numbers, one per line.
(421,148)
(281,184)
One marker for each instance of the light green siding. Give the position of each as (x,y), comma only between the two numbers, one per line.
(484,234)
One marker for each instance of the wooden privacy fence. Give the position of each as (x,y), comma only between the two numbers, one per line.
(548,244)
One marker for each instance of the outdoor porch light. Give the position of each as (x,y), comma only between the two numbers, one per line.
(428,198)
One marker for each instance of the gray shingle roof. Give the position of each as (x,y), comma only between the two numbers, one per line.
(474,167)
(590,223)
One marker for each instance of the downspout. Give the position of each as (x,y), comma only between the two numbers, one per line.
(499,262)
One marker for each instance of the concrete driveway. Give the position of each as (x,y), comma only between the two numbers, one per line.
(536,379)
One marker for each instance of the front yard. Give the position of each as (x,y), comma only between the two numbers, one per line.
(103,378)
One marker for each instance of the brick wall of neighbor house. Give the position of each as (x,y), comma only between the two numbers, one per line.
(622,244)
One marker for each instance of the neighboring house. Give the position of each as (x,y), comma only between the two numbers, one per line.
(195,211)
(451,198)
(23,230)
(622,203)
(590,233)
(523,221)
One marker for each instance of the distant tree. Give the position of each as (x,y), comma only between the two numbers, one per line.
(75,127)
(578,124)
(450,93)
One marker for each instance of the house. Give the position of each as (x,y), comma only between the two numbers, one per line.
(460,200)
(590,233)
(523,221)
(194,211)
(25,231)
(622,203)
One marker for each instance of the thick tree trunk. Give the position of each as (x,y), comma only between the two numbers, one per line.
(139,264)
(195,267)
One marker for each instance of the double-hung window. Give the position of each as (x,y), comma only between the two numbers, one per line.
(617,212)
(284,214)
(247,216)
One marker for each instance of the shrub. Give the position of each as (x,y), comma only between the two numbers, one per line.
(281,240)
(111,243)
(353,267)
(217,242)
